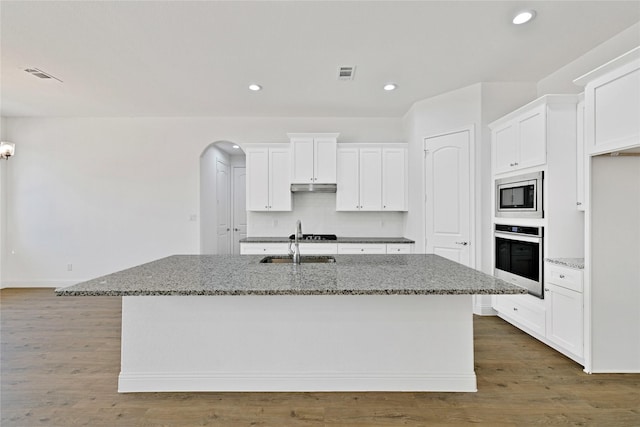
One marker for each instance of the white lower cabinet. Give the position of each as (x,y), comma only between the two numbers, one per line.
(358,248)
(326,248)
(564,308)
(263,249)
(400,248)
(318,248)
(557,320)
(524,311)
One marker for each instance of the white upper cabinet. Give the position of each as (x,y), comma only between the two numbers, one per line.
(268,172)
(348,188)
(371,177)
(519,141)
(313,158)
(612,105)
(395,176)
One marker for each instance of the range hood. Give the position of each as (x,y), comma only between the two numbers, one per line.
(313,188)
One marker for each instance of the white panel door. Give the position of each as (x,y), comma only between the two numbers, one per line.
(239,207)
(348,191)
(325,160)
(257,162)
(279,179)
(223,225)
(448,204)
(394,179)
(302,167)
(370,179)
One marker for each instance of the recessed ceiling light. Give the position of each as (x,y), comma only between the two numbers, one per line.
(390,86)
(254,87)
(236,146)
(524,17)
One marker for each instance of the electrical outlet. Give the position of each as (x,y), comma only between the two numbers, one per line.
(69,267)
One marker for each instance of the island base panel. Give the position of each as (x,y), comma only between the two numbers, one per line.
(297,343)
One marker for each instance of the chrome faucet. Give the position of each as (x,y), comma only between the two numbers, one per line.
(295,252)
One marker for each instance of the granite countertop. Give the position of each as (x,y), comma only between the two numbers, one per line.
(339,240)
(568,262)
(415,274)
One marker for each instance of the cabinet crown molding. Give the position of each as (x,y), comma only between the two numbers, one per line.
(313,135)
(543,100)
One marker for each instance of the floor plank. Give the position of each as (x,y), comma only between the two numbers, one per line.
(60,358)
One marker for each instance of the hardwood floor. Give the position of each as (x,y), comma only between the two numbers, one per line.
(60,359)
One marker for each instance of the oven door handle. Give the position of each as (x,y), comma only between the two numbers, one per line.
(520,237)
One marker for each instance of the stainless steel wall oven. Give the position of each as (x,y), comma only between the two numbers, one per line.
(519,255)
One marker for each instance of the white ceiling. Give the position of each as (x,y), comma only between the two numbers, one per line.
(196,58)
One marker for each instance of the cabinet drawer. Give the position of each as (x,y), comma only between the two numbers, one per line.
(523,310)
(399,248)
(263,249)
(356,248)
(318,248)
(569,278)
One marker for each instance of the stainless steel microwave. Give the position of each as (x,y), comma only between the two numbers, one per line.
(520,196)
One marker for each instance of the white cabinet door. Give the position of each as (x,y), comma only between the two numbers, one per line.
(361,248)
(580,182)
(564,322)
(257,161)
(303,160)
(370,179)
(318,248)
(394,179)
(521,142)
(399,248)
(504,148)
(348,191)
(612,105)
(325,160)
(532,138)
(279,184)
(263,249)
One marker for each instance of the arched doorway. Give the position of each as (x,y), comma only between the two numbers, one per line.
(223,216)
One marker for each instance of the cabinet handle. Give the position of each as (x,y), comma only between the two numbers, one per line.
(516,164)
(310,179)
(385,206)
(266,207)
(546,289)
(562,276)
(515,308)
(228,229)
(362,250)
(462,243)
(578,203)
(512,164)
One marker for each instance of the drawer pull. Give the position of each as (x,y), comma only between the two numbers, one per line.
(562,276)
(546,289)
(515,308)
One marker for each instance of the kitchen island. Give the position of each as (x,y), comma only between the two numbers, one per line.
(361,323)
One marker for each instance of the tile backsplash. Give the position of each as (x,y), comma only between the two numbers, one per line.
(317,211)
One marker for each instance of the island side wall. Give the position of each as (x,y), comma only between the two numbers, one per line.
(297,343)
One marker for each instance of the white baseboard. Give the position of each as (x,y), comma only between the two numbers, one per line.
(39,283)
(294,382)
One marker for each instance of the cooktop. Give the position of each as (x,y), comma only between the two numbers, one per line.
(315,237)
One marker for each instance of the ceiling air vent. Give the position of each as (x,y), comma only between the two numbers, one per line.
(346,72)
(41,74)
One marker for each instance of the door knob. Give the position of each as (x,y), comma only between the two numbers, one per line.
(462,243)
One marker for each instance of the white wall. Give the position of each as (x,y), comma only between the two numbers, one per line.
(561,80)
(3,180)
(104,194)
(317,211)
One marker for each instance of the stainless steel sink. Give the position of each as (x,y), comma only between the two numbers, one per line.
(303,259)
